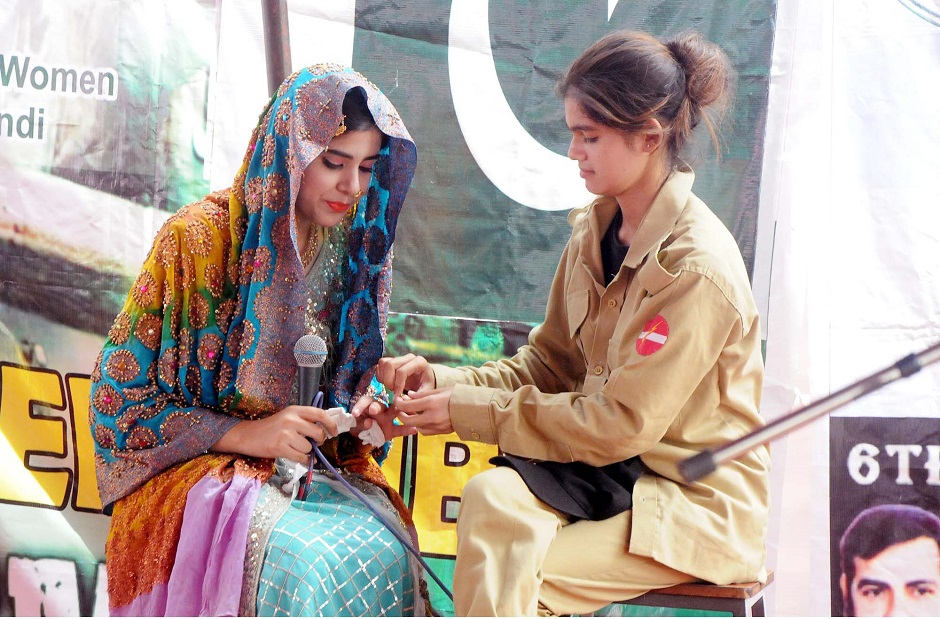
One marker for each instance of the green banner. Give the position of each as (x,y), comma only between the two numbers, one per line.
(465,248)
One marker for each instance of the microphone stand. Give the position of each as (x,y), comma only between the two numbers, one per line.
(707,461)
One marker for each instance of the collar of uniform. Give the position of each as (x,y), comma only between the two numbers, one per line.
(662,215)
(598,216)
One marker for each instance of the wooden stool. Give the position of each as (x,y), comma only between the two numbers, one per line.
(740,599)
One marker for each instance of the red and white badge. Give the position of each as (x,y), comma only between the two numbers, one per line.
(653,336)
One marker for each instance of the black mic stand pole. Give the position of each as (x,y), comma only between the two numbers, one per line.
(707,461)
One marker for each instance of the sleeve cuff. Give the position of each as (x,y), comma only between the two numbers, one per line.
(213,426)
(470,413)
(445,376)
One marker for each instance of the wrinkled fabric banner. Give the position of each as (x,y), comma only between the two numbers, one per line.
(115,114)
(847,267)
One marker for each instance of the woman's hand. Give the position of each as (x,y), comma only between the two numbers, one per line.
(367,412)
(428,412)
(406,373)
(285,434)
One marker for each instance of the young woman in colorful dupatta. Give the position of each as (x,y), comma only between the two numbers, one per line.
(194,394)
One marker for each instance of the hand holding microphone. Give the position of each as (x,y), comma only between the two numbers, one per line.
(289,432)
(310,353)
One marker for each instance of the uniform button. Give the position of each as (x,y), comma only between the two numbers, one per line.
(598,370)
(475,436)
(612,303)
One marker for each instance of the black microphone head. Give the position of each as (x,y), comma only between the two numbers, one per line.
(310,351)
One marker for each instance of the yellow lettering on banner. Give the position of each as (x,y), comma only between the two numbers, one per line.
(86,485)
(25,432)
(444,464)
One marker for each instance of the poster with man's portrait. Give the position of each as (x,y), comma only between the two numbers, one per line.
(884,516)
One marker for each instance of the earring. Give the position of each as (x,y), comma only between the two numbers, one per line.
(342,127)
(351,213)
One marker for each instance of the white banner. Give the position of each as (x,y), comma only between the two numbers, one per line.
(850,228)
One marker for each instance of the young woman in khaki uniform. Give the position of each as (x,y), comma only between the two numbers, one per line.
(649,353)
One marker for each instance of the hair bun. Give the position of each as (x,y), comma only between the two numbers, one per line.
(628,77)
(707,69)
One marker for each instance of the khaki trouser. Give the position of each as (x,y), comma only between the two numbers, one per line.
(517,556)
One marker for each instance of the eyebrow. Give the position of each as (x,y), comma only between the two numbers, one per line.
(871,582)
(340,153)
(583,128)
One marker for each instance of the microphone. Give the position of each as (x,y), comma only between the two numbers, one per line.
(310,354)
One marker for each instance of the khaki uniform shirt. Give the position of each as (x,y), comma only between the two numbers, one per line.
(662,363)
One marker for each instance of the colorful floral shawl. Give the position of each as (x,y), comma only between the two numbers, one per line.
(205,338)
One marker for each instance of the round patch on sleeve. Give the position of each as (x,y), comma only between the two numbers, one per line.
(653,336)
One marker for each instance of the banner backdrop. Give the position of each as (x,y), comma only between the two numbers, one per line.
(849,221)
(113,114)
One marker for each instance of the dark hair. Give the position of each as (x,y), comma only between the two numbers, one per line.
(877,528)
(628,77)
(357,116)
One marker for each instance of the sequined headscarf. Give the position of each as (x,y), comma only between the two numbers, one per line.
(302,119)
(206,335)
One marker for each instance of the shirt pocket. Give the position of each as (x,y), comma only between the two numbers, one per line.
(577,305)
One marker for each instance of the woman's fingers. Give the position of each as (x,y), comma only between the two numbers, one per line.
(414,401)
(299,444)
(285,434)
(428,411)
(312,422)
(409,371)
(388,366)
(363,404)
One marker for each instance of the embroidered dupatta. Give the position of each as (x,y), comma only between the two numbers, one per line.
(205,338)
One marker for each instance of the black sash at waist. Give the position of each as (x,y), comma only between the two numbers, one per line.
(581,491)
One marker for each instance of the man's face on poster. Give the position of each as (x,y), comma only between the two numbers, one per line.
(903,580)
